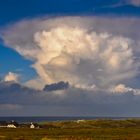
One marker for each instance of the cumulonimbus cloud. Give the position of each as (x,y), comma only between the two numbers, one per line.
(84,51)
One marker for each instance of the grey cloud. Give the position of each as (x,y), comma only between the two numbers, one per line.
(132,2)
(56,86)
(72,101)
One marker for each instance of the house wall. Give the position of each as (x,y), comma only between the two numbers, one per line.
(32,126)
(11,126)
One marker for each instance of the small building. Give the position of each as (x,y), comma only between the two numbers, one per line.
(78,121)
(34,125)
(12,124)
(3,124)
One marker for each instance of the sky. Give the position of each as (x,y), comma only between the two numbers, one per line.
(86,52)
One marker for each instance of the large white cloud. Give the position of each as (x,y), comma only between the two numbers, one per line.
(86,51)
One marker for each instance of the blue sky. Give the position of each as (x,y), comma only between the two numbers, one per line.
(11,11)
(12,61)
(39,45)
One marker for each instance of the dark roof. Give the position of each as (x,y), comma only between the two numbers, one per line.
(14,123)
(3,123)
(35,124)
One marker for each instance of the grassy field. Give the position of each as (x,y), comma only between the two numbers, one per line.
(71,130)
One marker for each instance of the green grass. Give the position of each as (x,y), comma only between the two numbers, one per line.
(71,130)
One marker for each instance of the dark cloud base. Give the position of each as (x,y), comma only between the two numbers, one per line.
(18,100)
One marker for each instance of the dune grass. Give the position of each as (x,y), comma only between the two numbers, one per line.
(71,130)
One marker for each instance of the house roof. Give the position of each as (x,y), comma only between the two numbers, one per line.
(35,124)
(3,123)
(13,123)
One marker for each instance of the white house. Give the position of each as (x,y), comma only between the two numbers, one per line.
(32,125)
(12,124)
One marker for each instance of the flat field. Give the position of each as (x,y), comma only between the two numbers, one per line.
(82,130)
